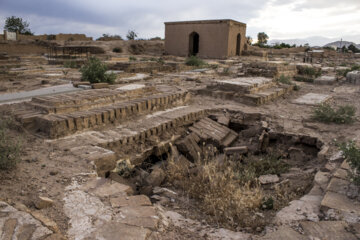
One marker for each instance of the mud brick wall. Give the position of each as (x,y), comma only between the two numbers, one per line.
(58,125)
(271,70)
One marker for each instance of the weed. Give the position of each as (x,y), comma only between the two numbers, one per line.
(310,71)
(225,72)
(342,115)
(10,148)
(117,50)
(132,58)
(160,61)
(296,87)
(300,78)
(194,61)
(70,64)
(94,71)
(352,155)
(284,79)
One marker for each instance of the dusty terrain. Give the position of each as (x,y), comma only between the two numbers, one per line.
(106,180)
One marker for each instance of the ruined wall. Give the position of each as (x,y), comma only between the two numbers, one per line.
(234,30)
(213,38)
(16,48)
(58,37)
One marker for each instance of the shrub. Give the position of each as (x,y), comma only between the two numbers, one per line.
(10,148)
(132,58)
(117,50)
(326,113)
(346,71)
(160,61)
(310,71)
(284,79)
(94,71)
(352,155)
(194,61)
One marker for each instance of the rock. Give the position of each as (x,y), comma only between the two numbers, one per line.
(297,154)
(236,150)
(133,201)
(224,120)
(268,179)
(338,185)
(156,177)
(263,141)
(322,179)
(47,222)
(116,230)
(76,84)
(329,230)
(189,148)
(43,202)
(284,233)
(339,202)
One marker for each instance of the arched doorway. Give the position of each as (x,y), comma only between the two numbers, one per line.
(238,42)
(194,43)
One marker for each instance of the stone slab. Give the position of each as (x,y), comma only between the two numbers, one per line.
(325,80)
(284,233)
(329,230)
(340,202)
(312,99)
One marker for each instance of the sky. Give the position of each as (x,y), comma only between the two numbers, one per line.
(280,19)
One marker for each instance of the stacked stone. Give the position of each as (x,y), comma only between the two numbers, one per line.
(353,77)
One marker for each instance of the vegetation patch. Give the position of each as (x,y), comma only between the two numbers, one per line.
(94,71)
(344,72)
(309,71)
(327,114)
(194,61)
(10,148)
(284,79)
(70,64)
(117,50)
(352,155)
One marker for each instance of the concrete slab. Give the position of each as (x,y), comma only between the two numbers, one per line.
(26,96)
(246,81)
(131,87)
(325,80)
(312,99)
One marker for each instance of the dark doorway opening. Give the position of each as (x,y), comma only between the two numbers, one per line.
(238,41)
(194,44)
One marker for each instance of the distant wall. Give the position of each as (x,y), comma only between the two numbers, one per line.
(59,37)
(18,48)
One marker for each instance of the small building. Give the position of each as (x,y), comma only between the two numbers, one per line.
(205,39)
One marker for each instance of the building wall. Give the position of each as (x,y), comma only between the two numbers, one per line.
(234,30)
(213,41)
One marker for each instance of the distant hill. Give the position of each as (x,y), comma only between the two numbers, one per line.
(340,44)
(315,40)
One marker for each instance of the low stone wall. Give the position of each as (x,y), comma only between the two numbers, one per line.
(353,77)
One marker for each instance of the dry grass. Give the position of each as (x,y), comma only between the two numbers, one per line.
(221,191)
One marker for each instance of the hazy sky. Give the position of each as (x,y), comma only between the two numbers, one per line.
(280,19)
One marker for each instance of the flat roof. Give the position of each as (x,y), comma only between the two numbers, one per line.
(205,22)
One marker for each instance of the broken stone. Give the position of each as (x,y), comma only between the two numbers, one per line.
(322,179)
(43,202)
(156,177)
(50,224)
(236,150)
(330,230)
(312,99)
(133,201)
(189,148)
(263,141)
(268,179)
(224,120)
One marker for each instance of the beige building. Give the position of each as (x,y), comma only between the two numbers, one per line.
(206,39)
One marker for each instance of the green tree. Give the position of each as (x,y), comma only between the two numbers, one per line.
(17,24)
(131,35)
(262,38)
(354,49)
